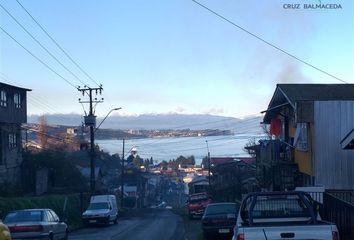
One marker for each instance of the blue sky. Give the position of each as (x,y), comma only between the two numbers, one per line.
(163,56)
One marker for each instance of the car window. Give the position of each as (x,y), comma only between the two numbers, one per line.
(280,207)
(55,216)
(221,209)
(98,205)
(49,216)
(24,216)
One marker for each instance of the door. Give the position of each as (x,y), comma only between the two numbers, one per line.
(59,228)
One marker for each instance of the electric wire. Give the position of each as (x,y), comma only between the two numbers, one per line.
(57,44)
(41,45)
(38,59)
(269,43)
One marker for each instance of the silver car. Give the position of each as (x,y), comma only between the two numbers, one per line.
(36,224)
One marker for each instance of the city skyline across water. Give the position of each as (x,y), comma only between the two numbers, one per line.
(171,148)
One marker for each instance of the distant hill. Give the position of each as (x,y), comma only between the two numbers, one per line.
(163,121)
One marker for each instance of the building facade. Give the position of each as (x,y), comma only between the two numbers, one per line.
(13,113)
(307,123)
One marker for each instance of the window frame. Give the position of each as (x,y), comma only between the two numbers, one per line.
(12,140)
(3,98)
(17,100)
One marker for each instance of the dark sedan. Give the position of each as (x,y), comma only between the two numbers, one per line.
(219,220)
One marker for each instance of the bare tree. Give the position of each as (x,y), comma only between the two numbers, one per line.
(42,134)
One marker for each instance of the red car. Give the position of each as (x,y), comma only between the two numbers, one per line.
(197,204)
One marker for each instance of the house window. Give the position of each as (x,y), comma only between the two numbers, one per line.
(3,99)
(17,100)
(12,140)
(300,139)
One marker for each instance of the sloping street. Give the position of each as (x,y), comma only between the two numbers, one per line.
(141,224)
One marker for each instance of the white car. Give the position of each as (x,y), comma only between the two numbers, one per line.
(102,209)
(36,224)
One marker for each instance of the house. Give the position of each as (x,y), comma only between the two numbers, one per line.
(13,113)
(308,122)
(233,178)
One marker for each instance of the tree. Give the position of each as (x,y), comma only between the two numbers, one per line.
(42,134)
(251,143)
(164,165)
(205,162)
(138,161)
(151,161)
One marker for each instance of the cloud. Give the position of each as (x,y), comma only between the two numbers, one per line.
(214,111)
(180,109)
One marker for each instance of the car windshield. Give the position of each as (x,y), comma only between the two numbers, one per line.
(98,205)
(23,216)
(221,209)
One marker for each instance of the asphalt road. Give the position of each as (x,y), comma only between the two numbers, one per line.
(141,224)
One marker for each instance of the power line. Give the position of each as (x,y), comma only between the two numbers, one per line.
(269,43)
(57,44)
(38,59)
(41,45)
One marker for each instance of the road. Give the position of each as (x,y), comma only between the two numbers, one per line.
(141,224)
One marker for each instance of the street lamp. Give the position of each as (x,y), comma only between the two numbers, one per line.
(114,109)
(92,148)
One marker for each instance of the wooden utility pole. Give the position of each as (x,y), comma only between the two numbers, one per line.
(90,121)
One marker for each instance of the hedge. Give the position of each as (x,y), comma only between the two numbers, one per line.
(76,203)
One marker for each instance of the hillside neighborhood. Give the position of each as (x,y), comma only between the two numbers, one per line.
(310,144)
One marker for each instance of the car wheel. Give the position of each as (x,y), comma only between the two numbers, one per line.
(115,220)
(50,237)
(108,221)
(66,235)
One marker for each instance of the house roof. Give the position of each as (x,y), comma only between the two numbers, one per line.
(221,160)
(247,160)
(292,93)
(12,86)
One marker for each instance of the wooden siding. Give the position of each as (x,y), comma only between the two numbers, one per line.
(334,167)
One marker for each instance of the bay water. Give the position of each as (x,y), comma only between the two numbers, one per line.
(171,148)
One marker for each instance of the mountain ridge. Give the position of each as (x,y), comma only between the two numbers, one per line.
(161,121)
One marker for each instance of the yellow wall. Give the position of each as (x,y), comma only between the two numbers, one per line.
(303,158)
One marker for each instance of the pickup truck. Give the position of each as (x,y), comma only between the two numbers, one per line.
(281,215)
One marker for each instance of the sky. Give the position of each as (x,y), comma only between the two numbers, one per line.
(173,56)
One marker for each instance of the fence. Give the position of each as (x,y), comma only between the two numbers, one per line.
(335,209)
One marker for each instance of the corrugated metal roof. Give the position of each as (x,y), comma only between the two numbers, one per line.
(292,93)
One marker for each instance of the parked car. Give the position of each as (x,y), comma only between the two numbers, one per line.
(36,224)
(281,215)
(197,203)
(102,210)
(219,219)
(4,232)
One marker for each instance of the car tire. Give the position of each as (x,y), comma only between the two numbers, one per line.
(50,236)
(116,220)
(66,235)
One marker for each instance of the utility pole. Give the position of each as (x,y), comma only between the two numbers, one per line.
(208,162)
(122,177)
(90,120)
